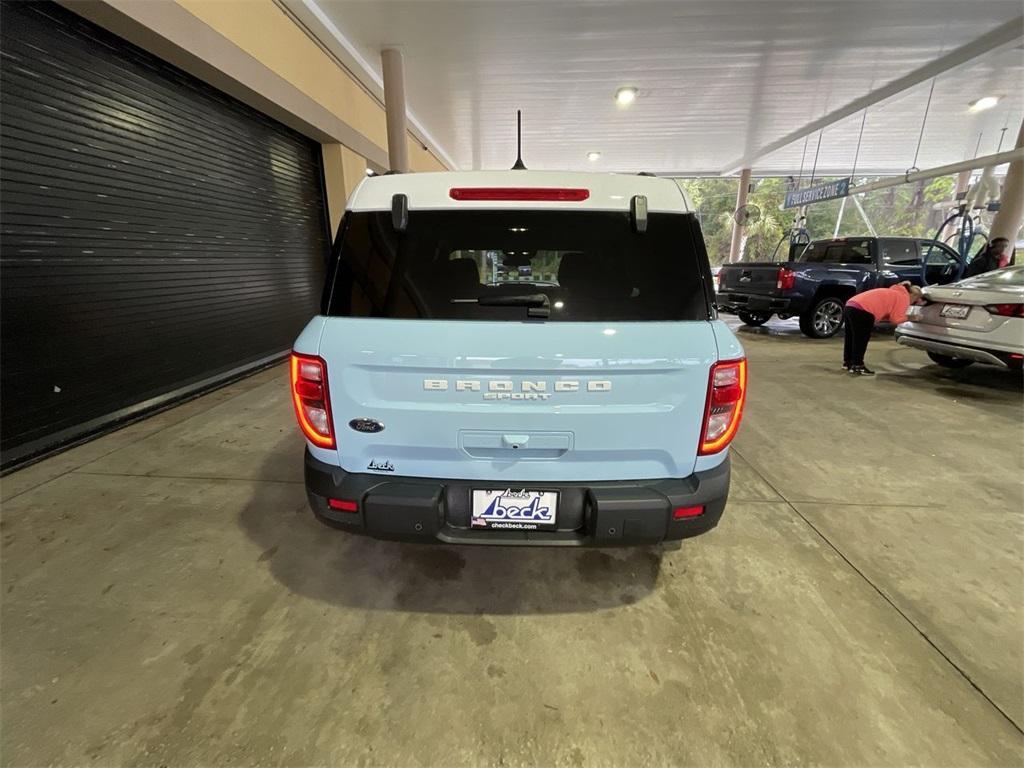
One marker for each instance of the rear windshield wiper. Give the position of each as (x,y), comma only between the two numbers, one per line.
(538,304)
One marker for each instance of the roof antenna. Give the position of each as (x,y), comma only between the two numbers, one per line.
(519,142)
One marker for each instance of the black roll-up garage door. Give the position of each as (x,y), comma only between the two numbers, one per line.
(158,236)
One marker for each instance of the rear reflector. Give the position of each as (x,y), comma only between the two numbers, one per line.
(727,392)
(342,505)
(311,399)
(548,194)
(683,512)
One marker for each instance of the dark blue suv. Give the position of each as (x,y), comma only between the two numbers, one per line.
(816,285)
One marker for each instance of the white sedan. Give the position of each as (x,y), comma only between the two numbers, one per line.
(977,320)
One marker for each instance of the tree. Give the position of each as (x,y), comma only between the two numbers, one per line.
(914,210)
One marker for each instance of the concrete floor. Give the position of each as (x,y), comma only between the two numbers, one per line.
(169,600)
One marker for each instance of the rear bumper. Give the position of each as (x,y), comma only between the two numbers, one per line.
(589,514)
(952,348)
(732,301)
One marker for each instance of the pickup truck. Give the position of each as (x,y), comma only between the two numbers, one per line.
(816,285)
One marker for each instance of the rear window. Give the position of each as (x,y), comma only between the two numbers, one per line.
(843,252)
(574,265)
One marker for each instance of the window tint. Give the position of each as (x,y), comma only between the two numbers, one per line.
(900,253)
(838,252)
(450,265)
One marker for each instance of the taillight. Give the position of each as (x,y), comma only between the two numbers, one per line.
(727,391)
(312,400)
(786,279)
(544,194)
(1006,310)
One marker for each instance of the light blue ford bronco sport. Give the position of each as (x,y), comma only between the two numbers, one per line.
(519,358)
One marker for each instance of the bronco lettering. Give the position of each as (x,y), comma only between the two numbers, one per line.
(506,389)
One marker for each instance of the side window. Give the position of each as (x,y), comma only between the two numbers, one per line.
(835,254)
(900,253)
(813,254)
(857,253)
(937,254)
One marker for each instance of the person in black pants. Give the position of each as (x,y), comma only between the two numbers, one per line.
(859,323)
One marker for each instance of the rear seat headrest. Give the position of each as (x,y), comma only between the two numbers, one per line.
(462,276)
(593,276)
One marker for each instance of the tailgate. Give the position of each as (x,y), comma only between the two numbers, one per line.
(519,401)
(760,279)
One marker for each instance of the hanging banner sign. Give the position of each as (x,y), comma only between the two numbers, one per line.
(830,191)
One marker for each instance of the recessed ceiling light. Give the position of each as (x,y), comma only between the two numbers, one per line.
(625,96)
(593,156)
(985,102)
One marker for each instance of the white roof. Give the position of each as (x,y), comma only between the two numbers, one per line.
(606,191)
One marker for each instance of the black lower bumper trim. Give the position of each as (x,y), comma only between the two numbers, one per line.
(589,514)
(752,302)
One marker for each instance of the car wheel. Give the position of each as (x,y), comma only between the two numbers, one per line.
(949,362)
(754,319)
(824,319)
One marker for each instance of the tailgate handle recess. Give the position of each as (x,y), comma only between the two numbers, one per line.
(515,441)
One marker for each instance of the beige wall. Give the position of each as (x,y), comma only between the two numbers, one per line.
(343,170)
(421,159)
(334,184)
(265,32)
(262,29)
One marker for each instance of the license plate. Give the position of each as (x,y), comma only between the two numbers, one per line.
(955,311)
(514,509)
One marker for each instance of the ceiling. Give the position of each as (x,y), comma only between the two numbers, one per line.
(717,79)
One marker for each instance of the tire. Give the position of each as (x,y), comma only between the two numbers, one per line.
(754,319)
(824,319)
(949,362)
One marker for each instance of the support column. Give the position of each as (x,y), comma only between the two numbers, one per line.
(394,108)
(737,228)
(1011,201)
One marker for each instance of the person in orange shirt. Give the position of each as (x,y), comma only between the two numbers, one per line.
(866,309)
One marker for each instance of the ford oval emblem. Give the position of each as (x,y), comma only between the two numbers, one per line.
(366,425)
